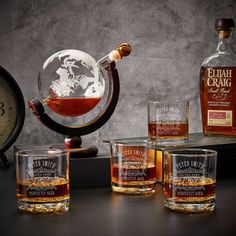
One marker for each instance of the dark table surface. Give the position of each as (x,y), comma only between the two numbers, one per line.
(98,211)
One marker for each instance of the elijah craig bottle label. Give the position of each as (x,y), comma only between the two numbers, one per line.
(219,92)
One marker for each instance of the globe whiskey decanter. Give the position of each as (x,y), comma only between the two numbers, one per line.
(72,83)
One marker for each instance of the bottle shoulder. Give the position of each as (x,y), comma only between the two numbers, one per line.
(220,59)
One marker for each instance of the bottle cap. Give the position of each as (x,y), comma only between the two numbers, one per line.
(224,24)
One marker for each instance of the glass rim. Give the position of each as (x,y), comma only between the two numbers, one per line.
(189,152)
(40,152)
(131,142)
(168,101)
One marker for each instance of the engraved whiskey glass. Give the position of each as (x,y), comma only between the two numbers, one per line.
(168,121)
(42,181)
(133,167)
(190,180)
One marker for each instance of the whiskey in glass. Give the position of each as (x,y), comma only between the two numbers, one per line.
(42,181)
(168,121)
(133,167)
(190,180)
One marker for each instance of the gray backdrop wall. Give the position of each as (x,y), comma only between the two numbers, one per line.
(170,39)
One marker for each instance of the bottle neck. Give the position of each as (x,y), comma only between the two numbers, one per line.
(225,42)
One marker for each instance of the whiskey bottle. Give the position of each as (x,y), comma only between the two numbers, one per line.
(218,84)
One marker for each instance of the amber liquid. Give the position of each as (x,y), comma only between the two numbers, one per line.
(43,189)
(175,130)
(190,189)
(133,174)
(42,195)
(217,103)
(74,106)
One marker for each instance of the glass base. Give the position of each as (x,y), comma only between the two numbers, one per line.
(58,207)
(171,142)
(134,190)
(190,207)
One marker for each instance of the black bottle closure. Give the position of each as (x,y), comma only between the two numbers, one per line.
(224,24)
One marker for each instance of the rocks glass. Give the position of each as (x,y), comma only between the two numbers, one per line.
(190,180)
(168,121)
(42,181)
(133,167)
